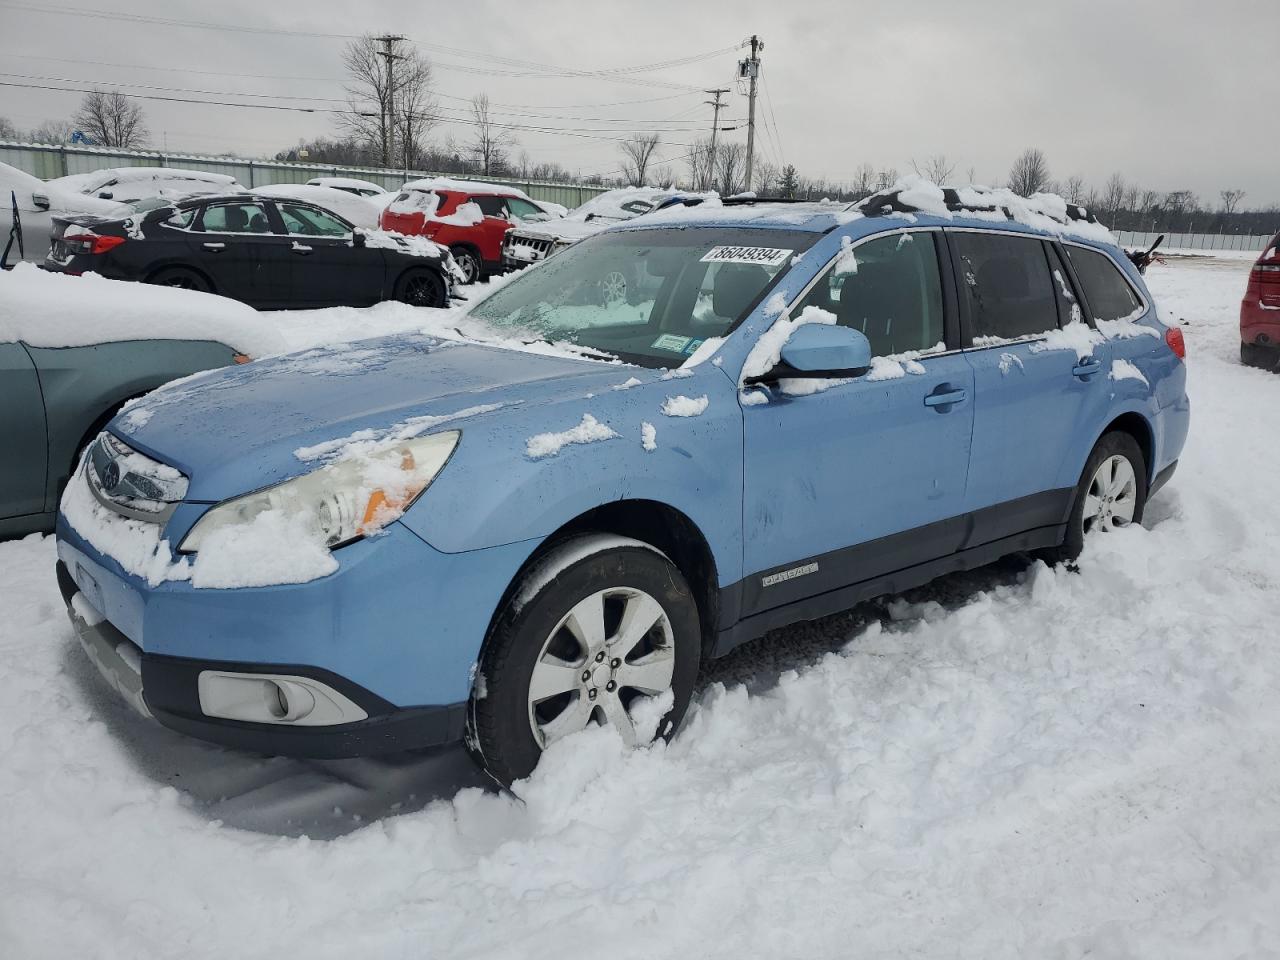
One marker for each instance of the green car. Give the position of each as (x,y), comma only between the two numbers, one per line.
(74,350)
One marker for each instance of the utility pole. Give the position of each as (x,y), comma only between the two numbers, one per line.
(389,123)
(749,70)
(716,105)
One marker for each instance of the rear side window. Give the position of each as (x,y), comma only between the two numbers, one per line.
(888,288)
(1007,284)
(1109,294)
(236,218)
(491,206)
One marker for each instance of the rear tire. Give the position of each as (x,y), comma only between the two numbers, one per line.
(421,287)
(468,262)
(547,672)
(1112,493)
(1259,355)
(182,278)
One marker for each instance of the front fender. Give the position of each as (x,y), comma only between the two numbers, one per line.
(493,492)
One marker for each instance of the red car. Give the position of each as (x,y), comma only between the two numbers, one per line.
(1260,311)
(467,217)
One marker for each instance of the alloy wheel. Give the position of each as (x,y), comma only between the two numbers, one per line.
(1112,497)
(614,648)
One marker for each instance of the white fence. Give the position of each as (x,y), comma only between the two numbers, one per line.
(47,162)
(1195,241)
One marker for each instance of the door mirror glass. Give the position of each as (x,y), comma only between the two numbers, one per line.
(825,350)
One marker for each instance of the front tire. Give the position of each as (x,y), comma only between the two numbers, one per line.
(1112,493)
(421,288)
(468,262)
(588,636)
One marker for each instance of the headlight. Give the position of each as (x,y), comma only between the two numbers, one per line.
(343,501)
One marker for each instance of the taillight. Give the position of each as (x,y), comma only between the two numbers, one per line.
(1266,272)
(1173,337)
(91,243)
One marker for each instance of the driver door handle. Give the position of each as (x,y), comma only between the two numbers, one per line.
(301,248)
(214,247)
(944,397)
(1087,368)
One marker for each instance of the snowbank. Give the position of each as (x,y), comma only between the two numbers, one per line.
(45,309)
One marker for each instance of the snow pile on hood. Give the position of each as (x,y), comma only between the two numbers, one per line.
(352,207)
(45,309)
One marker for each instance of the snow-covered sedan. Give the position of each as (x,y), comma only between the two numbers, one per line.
(132,184)
(37,202)
(498,543)
(361,188)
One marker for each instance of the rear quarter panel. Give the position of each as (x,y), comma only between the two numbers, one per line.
(84,386)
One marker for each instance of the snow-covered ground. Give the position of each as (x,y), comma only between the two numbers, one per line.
(1016,762)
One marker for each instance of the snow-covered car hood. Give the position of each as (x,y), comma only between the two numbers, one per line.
(568,229)
(240,429)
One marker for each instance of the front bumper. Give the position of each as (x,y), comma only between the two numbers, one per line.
(167,689)
(395,631)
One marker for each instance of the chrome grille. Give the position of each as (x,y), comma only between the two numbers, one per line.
(538,246)
(131,483)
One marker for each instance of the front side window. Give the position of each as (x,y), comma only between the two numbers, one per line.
(890,289)
(523,209)
(650,297)
(491,206)
(236,218)
(1007,284)
(311,222)
(1110,296)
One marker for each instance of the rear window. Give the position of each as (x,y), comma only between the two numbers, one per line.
(1109,294)
(1007,284)
(492,206)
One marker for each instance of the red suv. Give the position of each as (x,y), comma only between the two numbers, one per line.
(467,217)
(1260,311)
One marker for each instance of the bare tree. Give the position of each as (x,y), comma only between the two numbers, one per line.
(1030,173)
(7,130)
(490,143)
(864,179)
(1231,199)
(636,156)
(52,131)
(371,99)
(936,168)
(730,164)
(765,174)
(702,164)
(1072,189)
(664,176)
(111,119)
(1113,192)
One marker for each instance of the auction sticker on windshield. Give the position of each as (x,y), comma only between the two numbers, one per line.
(764,256)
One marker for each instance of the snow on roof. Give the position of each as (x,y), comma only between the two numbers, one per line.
(815,215)
(362,211)
(82,182)
(61,200)
(466,186)
(44,309)
(349,183)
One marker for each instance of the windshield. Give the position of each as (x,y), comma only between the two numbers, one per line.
(649,297)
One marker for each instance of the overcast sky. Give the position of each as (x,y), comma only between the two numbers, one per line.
(1175,94)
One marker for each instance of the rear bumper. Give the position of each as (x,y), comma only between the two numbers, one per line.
(1259,323)
(168,689)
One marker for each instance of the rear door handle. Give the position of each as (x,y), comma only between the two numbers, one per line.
(301,248)
(943,397)
(1087,368)
(214,247)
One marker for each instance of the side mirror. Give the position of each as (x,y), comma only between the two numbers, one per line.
(105,194)
(40,201)
(358,239)
(820,351)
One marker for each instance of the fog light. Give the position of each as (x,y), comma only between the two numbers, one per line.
(273,698)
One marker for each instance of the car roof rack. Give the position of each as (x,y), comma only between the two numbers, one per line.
(891,201)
